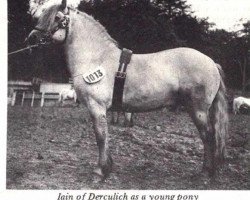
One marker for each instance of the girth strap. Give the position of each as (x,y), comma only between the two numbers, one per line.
(120,78)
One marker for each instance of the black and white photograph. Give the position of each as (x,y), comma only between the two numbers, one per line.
(128,95)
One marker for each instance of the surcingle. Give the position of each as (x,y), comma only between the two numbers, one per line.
(120,78)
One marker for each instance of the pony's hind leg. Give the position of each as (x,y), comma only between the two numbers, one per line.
(200,117)
(98,114)
(115,117)
(212,123)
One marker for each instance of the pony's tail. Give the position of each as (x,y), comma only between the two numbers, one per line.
(219,119)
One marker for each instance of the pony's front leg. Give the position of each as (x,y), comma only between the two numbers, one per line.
(98,114)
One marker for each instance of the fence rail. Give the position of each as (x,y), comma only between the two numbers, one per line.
(32,96)
(21,92)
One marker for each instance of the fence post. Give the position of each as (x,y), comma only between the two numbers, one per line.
(13,100)
(32,100)
(23,98)
(42,99)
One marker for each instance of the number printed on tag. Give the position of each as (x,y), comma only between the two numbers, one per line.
(94,76)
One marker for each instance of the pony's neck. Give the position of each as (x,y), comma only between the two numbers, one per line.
(88,43)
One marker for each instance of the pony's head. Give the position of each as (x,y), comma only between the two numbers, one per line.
(52,24)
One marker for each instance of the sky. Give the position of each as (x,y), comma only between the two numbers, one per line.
(224,13)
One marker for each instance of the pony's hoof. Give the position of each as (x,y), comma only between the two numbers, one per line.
(99,176)
(98,171)
(106,169)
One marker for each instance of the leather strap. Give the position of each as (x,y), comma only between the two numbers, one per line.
(120,78)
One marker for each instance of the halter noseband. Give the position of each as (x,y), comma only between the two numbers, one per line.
(63,23)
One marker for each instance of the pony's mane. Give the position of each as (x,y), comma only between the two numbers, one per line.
(102,30)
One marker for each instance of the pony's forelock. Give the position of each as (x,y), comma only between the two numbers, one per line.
(46,18)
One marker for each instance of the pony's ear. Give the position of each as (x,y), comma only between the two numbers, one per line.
(64,6)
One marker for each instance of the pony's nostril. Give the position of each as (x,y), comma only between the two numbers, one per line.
(33,39)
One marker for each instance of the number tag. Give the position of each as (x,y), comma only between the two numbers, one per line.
(94,76)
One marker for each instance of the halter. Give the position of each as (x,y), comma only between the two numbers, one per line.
(63,23)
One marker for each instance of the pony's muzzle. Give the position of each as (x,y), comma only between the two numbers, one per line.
(35,37)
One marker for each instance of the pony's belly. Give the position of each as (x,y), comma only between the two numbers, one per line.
(146,103)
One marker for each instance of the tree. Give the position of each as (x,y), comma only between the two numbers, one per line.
(18,27)
(173,8)
(141,25)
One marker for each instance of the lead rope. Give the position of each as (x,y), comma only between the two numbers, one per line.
(23,49)
(29,48)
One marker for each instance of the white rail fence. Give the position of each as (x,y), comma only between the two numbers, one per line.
(23,93)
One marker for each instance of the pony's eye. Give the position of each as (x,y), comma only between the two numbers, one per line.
(57,18)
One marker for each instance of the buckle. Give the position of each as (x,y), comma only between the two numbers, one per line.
(121,74)
(64,22)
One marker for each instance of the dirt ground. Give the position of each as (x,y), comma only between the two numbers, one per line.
(55,148)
